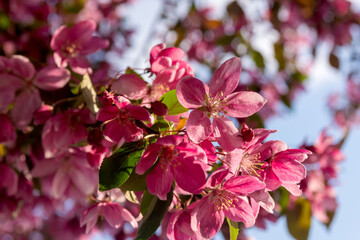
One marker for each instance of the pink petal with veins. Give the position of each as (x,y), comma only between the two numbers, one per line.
(198,126)
(191,92)
(226,77)
(243,104)
(130,86)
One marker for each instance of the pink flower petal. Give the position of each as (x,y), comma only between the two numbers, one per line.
(80,65)
(82,32)
(226,77)
(84,179)
(107,113)
(155,51)
(233,160)
(210,150)
(242,212)
(271,180)
(130,86)
(7,133)
(139,113)
(8,86)
(26,103)
(217,177)
(114,131)
(226,133)
(60,37)
(294,189)
(148,158)
(42,114)
(60,59)
(115,214)
(243,104)
(9,179)
(160,64)
(44,168)
(172,52)
(208,217)
(189,176)
(52,78)
(198,126)
(288,170)
(89,217)
(132,132)
(191,92)
(22,67)
(60,183)
(159,182)
(243,185)
(93,45)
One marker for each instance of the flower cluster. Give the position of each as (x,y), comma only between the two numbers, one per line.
(82,153)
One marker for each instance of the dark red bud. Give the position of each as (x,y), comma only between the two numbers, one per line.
(95,136)
(159,108)
(247,133)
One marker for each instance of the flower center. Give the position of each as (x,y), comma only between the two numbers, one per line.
(70,50)
(224,199)
(252,164)
(167,157)
(215,105)
(123,117)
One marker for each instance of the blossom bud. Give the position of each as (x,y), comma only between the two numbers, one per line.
(159,108)
(247,133)
(95,136)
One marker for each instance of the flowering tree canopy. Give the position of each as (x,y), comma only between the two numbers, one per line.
(162,152)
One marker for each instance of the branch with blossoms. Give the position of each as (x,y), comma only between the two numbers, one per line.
(167,160)
(82,153)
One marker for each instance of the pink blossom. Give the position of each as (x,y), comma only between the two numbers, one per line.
(176,160)
(130,86)
(286,169)
(68,175)
(7,133)
(225,199)
(179,226)
(64,129)
(71,45)
(19,74)
(9,179)
(162,58)
(216,100)
(115,214)
(119,120)
(42,114)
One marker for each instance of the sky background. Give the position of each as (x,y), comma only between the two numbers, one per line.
(303,123)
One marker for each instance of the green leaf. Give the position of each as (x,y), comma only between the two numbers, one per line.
(334,60)
(330,215)
(89,94)
(129,70)
(135,183)
(153,217)
(284,199)
(172,103)
(116,169)
(299,219)
(161,125)
(299,77)
(258,59)
(233,229)
(146,201)
(279,55)
(285,99)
